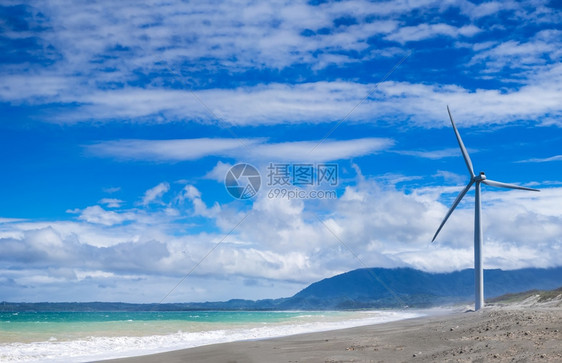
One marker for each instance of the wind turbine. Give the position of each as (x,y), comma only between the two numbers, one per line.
(477,180)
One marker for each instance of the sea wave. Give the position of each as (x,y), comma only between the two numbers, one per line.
(98,348)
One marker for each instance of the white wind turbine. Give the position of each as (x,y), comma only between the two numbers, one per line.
(475,179)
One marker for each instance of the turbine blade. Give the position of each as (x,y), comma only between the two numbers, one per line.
(493,183)
(457,201)
(461,145)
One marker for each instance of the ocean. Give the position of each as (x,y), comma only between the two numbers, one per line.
(87,336)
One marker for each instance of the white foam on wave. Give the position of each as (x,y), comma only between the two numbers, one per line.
(98,348)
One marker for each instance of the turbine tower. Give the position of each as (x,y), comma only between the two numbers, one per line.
(477,180)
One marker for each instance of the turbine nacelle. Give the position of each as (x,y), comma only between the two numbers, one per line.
(479,177)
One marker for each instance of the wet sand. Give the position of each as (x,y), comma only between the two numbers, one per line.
(493,334)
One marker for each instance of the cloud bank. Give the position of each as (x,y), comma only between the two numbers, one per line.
(276,240)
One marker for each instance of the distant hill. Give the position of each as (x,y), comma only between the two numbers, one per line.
(538,296)
(378,287)
(357,289)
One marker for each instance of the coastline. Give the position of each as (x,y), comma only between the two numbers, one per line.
(95,336)
(495,333)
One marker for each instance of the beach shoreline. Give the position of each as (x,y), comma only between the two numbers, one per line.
(495,333)
(95,336)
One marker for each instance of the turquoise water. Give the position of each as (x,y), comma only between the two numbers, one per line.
(29,327)
(86,336)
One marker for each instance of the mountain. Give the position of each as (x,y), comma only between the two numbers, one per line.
(543,297)
(362,288)
(379,287)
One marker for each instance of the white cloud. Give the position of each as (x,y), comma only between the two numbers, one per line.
(111,42)
(434,154)
(425,105)
(100,46)
(518,55)
(153,195)
(241,149)
(111,202)
(192,194)
(542,160)
(319,102)
(168,150)
(97,48)
(425,31)
(96,214)
(284,243)
(316,102)
(10,220)
(111,190)
(475,11)
(328,150)
(34,88)
(451,177)
(218,172)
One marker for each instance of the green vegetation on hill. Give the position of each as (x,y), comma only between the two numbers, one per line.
(544,295)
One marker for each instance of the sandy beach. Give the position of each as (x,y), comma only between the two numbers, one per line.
(519,333)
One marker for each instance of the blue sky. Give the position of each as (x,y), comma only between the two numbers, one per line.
(121,119)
